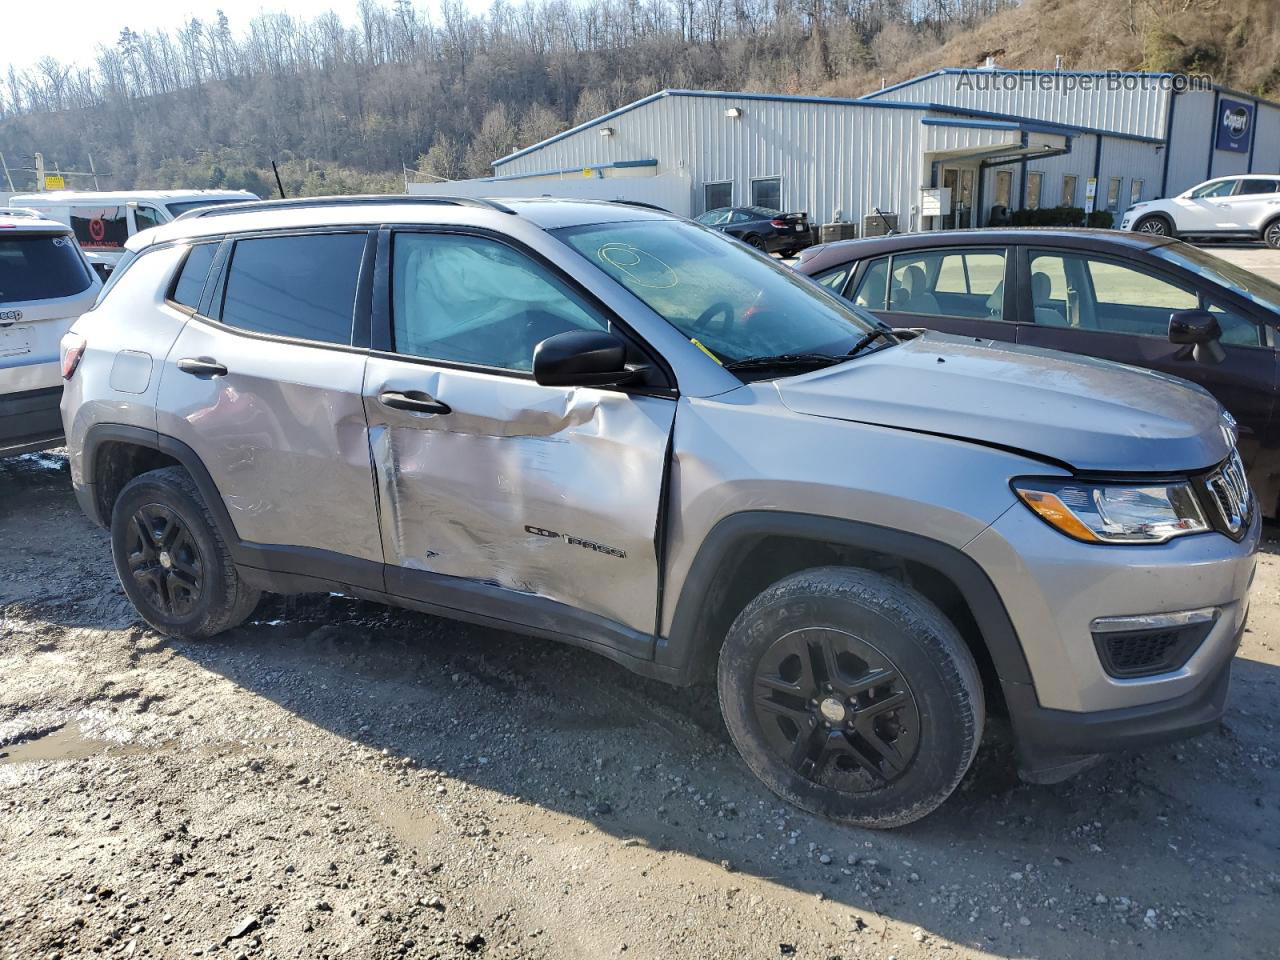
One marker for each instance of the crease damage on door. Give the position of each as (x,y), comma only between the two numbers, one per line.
(556,498)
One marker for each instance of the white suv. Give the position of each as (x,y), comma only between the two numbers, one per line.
(45,283)
(1244,207)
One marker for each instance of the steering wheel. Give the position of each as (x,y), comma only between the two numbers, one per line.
(716,309)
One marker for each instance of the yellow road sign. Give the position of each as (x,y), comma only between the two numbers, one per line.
(54,182)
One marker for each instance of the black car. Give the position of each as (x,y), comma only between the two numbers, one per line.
(1144,300)
(762,228)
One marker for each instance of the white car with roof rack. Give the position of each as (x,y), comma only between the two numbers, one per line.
(45,284)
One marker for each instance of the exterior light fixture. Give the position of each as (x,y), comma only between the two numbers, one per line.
(606,131)
(733,113)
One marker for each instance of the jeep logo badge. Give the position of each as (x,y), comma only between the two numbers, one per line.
(9,316)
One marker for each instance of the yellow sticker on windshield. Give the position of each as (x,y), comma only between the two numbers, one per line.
(701,346)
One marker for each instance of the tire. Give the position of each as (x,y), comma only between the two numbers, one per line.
(756,242)
(181,580)
(1271,234)
(1155,224)
(850,758)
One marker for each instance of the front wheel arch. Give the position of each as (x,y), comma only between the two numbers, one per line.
(747,552)
(1170,228)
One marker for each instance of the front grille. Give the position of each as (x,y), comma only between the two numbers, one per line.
(1229,490)
(1145,653)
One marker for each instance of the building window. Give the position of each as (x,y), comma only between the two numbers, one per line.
(717,195)
(1035,180)
(767,193)
(1069,190)
(1113,194)
(1135,191)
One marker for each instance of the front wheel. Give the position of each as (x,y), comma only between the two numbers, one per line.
(171,560)
(1155,225)
(756,242)
(1271,234)
(851,696)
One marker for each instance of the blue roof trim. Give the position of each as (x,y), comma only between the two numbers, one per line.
(616,165)
(902,83)
(971,124)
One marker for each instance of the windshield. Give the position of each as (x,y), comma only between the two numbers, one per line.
(1259,289)
(41,266)
(178,209)
(732,301)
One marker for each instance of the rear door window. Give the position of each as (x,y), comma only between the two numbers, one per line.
(100,228)
(967,284)
(41,266)
(301,286)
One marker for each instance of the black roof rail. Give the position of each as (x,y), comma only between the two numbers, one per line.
(302,203)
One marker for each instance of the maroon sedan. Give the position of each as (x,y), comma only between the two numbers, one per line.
(1144,300)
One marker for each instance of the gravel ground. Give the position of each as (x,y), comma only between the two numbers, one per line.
(339,779)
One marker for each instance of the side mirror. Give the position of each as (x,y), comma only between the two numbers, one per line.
(1200,330)
(582,358)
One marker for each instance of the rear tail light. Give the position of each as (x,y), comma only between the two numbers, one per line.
(72,350)
(779,223)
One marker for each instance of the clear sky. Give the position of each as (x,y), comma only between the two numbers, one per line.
(70,30)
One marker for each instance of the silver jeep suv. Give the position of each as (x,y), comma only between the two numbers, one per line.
(606,426)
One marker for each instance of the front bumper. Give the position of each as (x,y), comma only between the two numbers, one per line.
(1055,744)
(1054,588)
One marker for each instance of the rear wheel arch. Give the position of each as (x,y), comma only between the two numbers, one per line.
(113,454)
(748,552)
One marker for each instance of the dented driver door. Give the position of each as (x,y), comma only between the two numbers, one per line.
(525,503)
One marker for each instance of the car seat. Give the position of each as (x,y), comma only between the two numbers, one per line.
(1046,313)
(911,295)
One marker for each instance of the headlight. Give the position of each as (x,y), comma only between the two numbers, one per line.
(1114,512)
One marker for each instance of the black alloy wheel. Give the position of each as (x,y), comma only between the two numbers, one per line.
(836,710)
(164,560)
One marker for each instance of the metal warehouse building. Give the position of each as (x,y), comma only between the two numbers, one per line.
(990,137)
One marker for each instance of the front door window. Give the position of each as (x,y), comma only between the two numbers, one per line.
(472,300)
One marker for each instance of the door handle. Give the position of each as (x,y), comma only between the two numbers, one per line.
(202,367)
(414,401)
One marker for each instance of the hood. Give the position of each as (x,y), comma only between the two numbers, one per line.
(1092,415)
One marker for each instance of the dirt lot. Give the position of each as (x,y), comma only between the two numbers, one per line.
(341,780)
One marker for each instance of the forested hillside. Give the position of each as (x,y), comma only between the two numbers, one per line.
(343,105)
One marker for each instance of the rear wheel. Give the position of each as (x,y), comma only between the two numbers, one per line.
(171,560)
(852,696)
(1155,225)
(1271,234)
